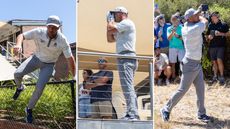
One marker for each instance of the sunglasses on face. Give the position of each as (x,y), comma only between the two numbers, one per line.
(101,61)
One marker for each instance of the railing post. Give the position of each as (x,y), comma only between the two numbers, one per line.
(7,51)
(73,97)
(151,84)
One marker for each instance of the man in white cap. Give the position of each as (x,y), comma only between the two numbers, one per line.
(50,43)
(191,65)
(123,32)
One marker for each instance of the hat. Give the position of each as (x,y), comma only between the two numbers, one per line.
(215,14)
(176,15)
(120,9)
(53,20)
(190,12)
(160,17)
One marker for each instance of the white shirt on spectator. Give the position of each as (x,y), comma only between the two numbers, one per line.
(83,93)
(126,36)
(161,61)
(48,50)
(193,40)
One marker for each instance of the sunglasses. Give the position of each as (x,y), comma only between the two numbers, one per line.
(101,61)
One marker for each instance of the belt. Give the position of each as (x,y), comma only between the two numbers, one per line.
(126,52)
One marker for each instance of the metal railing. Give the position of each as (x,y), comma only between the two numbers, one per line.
(149,66)
(56,108)
(11,57)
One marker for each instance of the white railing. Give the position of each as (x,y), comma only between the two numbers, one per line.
(146,111)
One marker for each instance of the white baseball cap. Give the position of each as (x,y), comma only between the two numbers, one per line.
(120,9)
(53,20)
(190,12)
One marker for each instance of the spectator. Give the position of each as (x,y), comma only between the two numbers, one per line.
(161,66)
(101,91)
(161,32)
(217,31)
(176,47)
(84,95)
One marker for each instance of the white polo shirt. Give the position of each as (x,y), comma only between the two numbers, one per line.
(48,50)
(193,40)
(126,36)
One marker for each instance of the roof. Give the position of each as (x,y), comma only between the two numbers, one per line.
(6,29)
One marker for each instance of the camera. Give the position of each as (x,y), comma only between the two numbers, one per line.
(110,16)
(204,7)
(212,32)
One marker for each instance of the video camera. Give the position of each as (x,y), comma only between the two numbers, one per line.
(110,16)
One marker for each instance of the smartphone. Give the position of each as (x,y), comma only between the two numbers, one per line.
(204,7)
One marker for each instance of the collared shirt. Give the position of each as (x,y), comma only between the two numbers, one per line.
(165,42)
(175,42)
(102,93)
(48,50)
(126,36)
(218,41)
(193,40)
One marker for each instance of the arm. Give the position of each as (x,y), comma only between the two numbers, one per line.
(111,29)
(18,46)
(72,65)
(204,20)
(170,34)
(97,82)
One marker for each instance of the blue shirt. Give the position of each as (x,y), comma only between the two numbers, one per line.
(165,42)
(102,93)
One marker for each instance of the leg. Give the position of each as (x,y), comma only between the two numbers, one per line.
(213,55)
(28,66)
(186,81)
(127,69)
(95,110)
(106,109)
(168,72)
(81,108)
(173,70)
(220,66)
(220,58)
(200,91)
(215,68)
(44,76)
(173,59)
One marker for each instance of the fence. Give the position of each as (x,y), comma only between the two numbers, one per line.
(143,83)
(54,110)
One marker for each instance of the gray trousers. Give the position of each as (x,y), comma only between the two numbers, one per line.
(191,73)
(28,66)
(127,68)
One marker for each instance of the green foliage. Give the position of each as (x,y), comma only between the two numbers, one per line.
(54,105)
(169,7)
(224,12)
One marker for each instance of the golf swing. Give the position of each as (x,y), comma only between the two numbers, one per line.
(191,65)
(50,43)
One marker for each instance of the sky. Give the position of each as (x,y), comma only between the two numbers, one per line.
(41,10)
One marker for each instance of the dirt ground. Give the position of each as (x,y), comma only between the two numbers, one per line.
(184,114)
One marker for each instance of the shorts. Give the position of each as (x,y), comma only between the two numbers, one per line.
(165,50)
(174,53)
(216,53)
(102,109)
